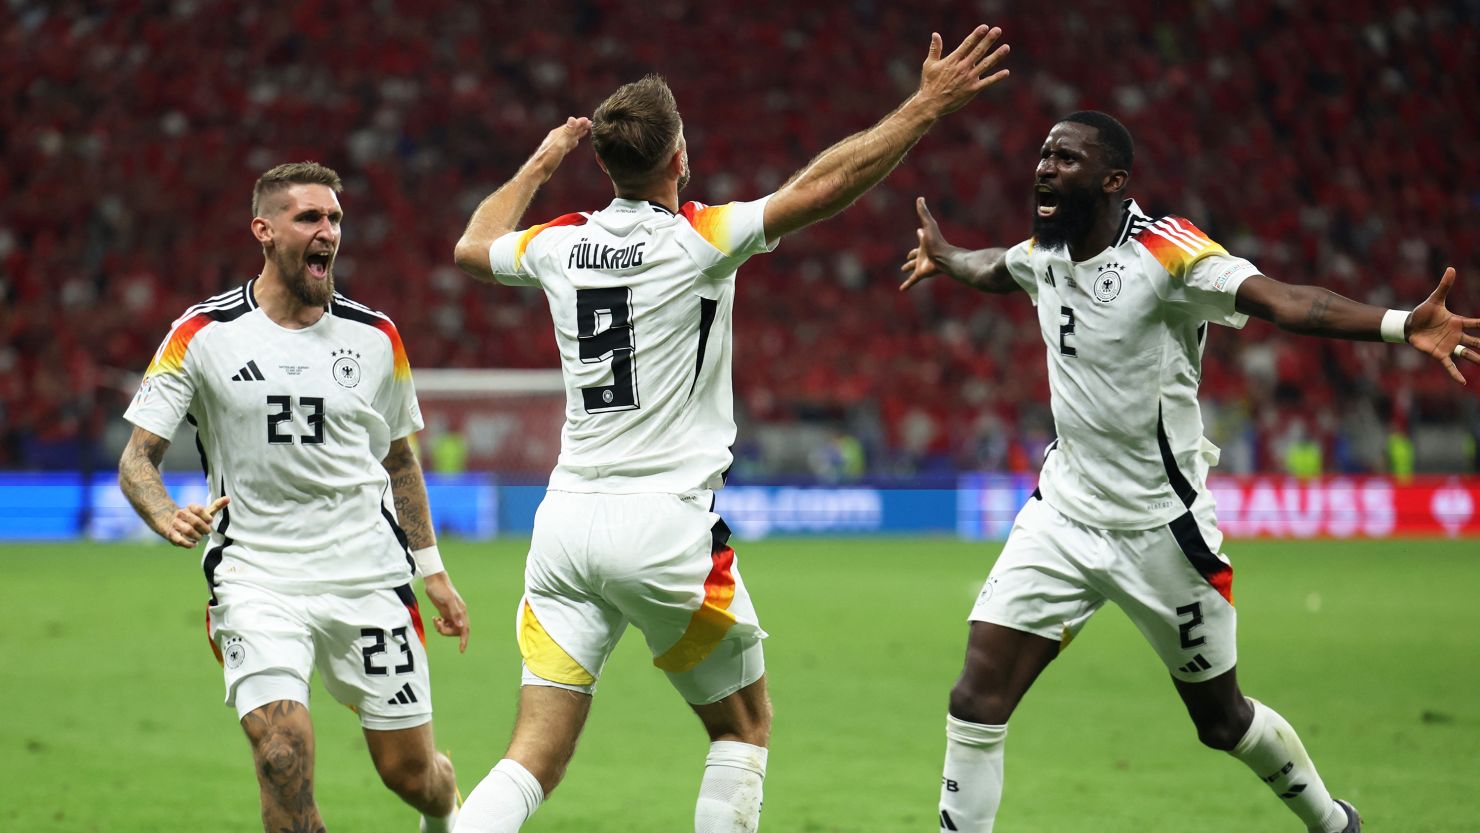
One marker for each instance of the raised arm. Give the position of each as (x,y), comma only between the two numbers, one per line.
(1311,310)
(843,172)
(499,213)
(138,477)
(414,513)
(984,270)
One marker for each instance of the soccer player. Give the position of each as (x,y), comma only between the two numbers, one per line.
(303,407)
(1121,512)
(641,293)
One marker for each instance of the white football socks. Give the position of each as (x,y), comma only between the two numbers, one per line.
(730,794)
(971,784)
(442,825)
(1273,750)
(502,801)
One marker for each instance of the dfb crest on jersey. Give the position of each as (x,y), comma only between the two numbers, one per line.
(346,368)
(1107,282)
(233,652)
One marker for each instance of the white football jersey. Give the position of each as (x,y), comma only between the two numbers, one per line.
(641,300)
(1125,332)
(293,426)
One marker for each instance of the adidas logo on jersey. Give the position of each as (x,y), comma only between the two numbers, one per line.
(404,697)
(250,373)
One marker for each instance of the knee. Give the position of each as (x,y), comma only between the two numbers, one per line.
(980,704)
(283,757)
(410,778)
(1224,730)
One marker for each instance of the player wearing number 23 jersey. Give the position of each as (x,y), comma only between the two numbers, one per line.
(286,420)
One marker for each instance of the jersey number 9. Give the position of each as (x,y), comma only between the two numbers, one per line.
(604,330)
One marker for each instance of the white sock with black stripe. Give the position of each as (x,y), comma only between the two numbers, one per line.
(971,784)
(1273,750)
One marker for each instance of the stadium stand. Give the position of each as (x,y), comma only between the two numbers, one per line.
(1329,141)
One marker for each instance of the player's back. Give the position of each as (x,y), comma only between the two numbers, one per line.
(641,300)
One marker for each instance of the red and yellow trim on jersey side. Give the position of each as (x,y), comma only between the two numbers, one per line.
(712,222)
(710,622)
(530,233)
(171,355)
(1176,244)
(543,654)
(401,365)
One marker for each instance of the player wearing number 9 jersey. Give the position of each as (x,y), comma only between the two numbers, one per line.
(1122,513)
(303,405)
(641,295)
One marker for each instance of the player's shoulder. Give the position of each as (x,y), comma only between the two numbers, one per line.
(564,221)
(353,312)
(227,306)
(1173,241)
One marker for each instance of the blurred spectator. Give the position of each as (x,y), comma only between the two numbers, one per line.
(1328,141)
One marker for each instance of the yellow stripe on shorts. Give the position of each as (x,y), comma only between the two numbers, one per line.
(710,622)
(544,657)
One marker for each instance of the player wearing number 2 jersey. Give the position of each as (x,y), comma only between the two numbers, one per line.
(302,405)
(1122,513)
(641,295)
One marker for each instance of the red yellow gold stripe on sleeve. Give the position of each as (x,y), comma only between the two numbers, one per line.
(1176,244)
(401,365)
(530,233)
(712,222)
(710,622)
(171,355)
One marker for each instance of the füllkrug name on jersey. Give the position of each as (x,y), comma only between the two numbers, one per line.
(641,299)
(1124,332)
(292,425)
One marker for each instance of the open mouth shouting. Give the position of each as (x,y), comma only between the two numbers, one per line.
(1047,200)
(318,263)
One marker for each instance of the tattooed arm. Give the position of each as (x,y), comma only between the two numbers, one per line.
(409,491)
(1310,310)
(138,477)
(414,513)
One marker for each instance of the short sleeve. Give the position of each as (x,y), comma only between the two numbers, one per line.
(396,400)
(1020,267)
(168,389)
(1200,277)
(734,231)
(510,255)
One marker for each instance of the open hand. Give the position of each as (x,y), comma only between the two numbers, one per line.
(192,523)
(1435,330)
(948,83)
(923,261)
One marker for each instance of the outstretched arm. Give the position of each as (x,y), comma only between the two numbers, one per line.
(499,213)
(843,172)
(984,270)
(1311,310)
(138,477)
(413,512)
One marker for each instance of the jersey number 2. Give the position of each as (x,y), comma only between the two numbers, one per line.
(604,330)
(315,416)
(1066,329)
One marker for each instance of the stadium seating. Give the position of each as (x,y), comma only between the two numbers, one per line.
(1330,142)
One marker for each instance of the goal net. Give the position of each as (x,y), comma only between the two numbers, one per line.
(504,421)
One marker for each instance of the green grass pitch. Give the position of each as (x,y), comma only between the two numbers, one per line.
(113,718)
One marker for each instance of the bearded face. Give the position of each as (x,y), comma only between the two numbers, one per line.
(304,241)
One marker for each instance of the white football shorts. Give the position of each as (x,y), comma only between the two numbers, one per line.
(1172,582)
(659,561)
(369,649)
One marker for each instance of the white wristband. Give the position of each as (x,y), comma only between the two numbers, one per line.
(428,561)
(1394,322)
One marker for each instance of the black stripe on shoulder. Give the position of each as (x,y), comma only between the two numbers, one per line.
(228,306)
(342,307)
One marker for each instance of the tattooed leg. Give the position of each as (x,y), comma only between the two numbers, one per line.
(282,748)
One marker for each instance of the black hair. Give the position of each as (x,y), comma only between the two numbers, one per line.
(1120,151)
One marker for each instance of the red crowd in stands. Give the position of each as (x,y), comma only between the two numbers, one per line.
(1330,142)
